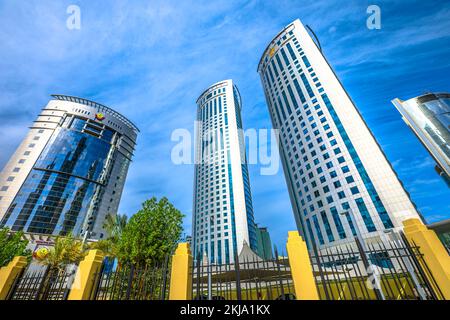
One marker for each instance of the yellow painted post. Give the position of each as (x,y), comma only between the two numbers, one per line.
(434,253)
(301,268)
(9,273)
(84,278)
(181,275)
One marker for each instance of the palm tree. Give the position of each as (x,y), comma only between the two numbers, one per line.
(67,250)
(114,226)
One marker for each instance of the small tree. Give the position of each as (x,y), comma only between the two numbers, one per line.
(11,245)
(152,233)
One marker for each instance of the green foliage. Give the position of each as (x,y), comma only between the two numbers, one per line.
(66,250)
(151,233)
(114,226)
(11,245)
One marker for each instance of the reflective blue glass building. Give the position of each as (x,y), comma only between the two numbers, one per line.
(68,173)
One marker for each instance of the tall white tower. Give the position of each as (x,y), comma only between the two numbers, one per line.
(336,172)
(223,211)
(69,171)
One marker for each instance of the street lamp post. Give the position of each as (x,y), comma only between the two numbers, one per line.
(364,250)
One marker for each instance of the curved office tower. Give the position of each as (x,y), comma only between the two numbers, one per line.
(429,118)
(337,174)
(223,211)
(69,171)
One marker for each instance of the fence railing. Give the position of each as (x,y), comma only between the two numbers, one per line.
(46,284)
(387,270)
(128,282)
(246,279)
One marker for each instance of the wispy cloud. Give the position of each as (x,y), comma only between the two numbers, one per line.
(151,59)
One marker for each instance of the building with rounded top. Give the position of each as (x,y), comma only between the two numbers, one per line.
(223,211)
(68,173)
(339,180)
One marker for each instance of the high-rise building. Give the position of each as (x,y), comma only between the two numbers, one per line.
(337,174)
(264,243)
(223,210)
(68,173)
(429,118)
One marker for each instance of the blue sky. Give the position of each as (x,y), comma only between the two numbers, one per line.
(151,59)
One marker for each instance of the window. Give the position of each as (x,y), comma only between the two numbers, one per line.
(16,169)
(10,178)
(4,188)
(365,215)
(349,179)
(327,226)
(22,161)
(354,190)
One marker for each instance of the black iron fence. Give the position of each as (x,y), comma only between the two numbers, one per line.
(129,282)
(248,278)
(383,270)
(45,284)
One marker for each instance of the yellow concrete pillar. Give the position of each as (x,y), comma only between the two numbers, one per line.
(301,268)
(9,273)
(434,253)
(84,278)
(181,275)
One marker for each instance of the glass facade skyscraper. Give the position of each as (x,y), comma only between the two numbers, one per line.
(336,172)
(223,210)
(429,118)
(69,171)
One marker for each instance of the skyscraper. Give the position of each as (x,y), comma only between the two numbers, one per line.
(264,243)
(337,174)
(69,171)
(223,210)
(429,118)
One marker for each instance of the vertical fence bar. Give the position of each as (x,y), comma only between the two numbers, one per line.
(238,278)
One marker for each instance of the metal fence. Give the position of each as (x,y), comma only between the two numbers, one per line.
(246,279)
(128,282)
(45,284)
(384,270)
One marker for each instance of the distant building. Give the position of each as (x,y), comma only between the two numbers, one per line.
(69,171)
(429,118)
(264,243)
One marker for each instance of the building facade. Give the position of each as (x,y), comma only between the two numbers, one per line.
(442,229)
(223,210)
(337,174)
(429,118)
(264,243)
(68,173)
